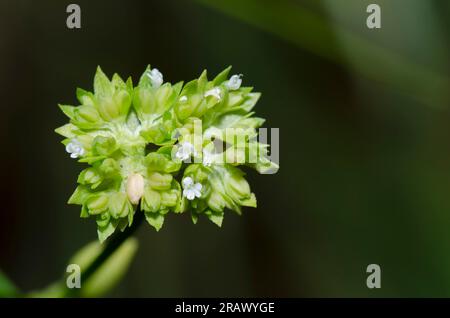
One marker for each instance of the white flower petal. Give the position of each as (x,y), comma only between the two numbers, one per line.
(187,182)
(234,82)
(190,195)
(180,154)
(75,148)
(198,187)
(156,77)
(214,92)
(185,150)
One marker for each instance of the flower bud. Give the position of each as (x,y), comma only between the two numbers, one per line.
(103,146)
(237,187)
(118,206)
(109,166)
(154,135)
(145,101)
(160,181)
(235,98)
(184,109)
(162,96)
(156,77)
(135,188)
(108,108)
(123,100)
(90,176)
(234,82)
(87,113)
(151,201)
(97,204)
(216,202)
(169,198)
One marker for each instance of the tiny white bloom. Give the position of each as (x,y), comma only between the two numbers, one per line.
(234,82)
(185,151)
(75,149)
(156,77)
(213,92)
(183,99)
(191,190)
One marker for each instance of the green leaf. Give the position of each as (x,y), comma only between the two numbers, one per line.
(202,81)
(86,113)
(194,217)
(80,195)
(144,80)
(67,110)
(68,130)
(102,85)
(105,232)
(155,219)
(221,77)
(85,97)
(216,218)
(250,202)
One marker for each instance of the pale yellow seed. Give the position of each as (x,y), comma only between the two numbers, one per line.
(135,188)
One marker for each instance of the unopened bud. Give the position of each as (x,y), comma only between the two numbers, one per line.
(88,113)
(160,181)
(97,204)
(135,188)
(169,198)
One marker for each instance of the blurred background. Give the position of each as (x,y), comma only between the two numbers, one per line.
(365,150)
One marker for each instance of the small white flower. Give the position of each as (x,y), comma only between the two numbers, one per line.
(207,158)
(213,92)
(75,149)
(234,82)
(185,151)
(191,190)
(156,77)
(183,99)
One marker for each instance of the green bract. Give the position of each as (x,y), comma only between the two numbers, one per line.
(167,148)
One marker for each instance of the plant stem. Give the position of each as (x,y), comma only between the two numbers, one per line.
(113,244)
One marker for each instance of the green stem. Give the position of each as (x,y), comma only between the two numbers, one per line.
(113,244)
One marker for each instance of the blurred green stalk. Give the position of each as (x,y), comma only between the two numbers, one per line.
(310,31)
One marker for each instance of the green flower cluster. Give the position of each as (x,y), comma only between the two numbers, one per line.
(167,148)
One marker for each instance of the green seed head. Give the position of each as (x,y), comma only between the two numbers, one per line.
(156,145)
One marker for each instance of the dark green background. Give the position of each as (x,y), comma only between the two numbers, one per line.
(364,125)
